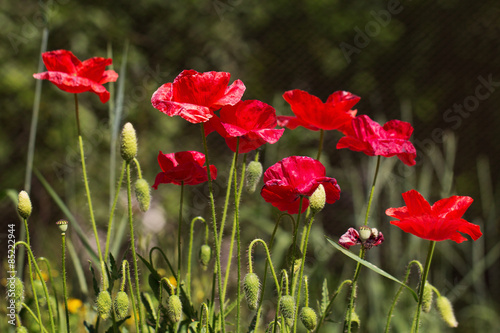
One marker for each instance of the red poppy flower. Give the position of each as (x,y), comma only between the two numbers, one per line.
(195,96)
(184,166)
(438,222)
(312,113)
(367,237)
(252,121)
(372,139)
(73,76)
(296,177)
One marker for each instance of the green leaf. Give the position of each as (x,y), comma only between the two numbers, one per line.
(325,298)
(94,280)
(370,266)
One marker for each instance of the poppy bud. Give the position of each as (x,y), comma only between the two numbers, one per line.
(251,287)
(294,253)
(205,255)
(445,308)
(317,199)
(427,298)
(143,194)
(174,308)
(364,233)
(21,329)
(38,286)
(253,174)
(18,294)
(128,147)
(121,305)
(355,322)
(24,205)
(287,309)
(309,318)
(104,304)
(63,225)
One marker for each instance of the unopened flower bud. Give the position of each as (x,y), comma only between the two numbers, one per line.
(427,298)
(445,308)
(355,321)
(251,288)
(104,304)
(293,258)
(365,232)
(21,329)
(128,147)
(253,174)
(63,225)
(121,305)
(287,309)
(18,294)
(205,256)
(143,194)
(317,199)
(174,308)
(309,318)
(24,205)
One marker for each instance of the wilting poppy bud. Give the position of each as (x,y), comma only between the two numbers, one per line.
(143,194)
(427,298)
(24,205)
(104,304)
(445,308)
(251,288)
(253,174)
(174,308)
(364,233)
(18,294)
(317,199)
(128,147)
(205,255)
(63,225)
(309,318)
(287,309)
(121,305)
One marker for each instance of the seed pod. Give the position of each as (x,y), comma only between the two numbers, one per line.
(309,318)
(104,304)
(253,174)
(445,308)
(18,294)
(143,194)
(205,255)
(287,309)
(251,288)
(63,225)
(317,199)
(128,147)
(24,205)
(121,305)
(427,298)
(174,308)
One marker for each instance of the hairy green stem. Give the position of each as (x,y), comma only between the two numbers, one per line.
(112,212)
(294,242)
(372,190)
(416,319)
(321,139)
(350,307)
(65,291)
(190,253)
(126,268)
(330,304)
(179,242)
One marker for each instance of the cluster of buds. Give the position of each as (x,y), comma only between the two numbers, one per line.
(366,237)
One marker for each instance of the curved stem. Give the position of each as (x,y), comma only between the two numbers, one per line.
(132,246)
(330,304)
(138,166)
(190,252)
(35,296)
(250,261)
(416,319)
(111,214)
(214,226)
(321,139)
(372,190)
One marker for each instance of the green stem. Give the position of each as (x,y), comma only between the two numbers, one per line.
(330,304)
(190,249)
(294,241)
(214,226)
(44,285)
(25,306)
(111,214)
(126,268)
(372,190)
(321,139)
(51,280)
(65,292)
(132,246)
(226,201)
(416,319)
(250,262)
(350,308)
(179,241)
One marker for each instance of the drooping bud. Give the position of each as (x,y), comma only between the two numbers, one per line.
(205,256)
(174,308)
(251,288)
(104,304)
(317,199)
(287,309)
(445,308)
(24,205)
(18,294)
(355,321)
(121,305)
(128,147)
(143,194)
(427,297)
(63,225)
(253,174)
(309,318)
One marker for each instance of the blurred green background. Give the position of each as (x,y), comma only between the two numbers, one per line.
(435,64)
